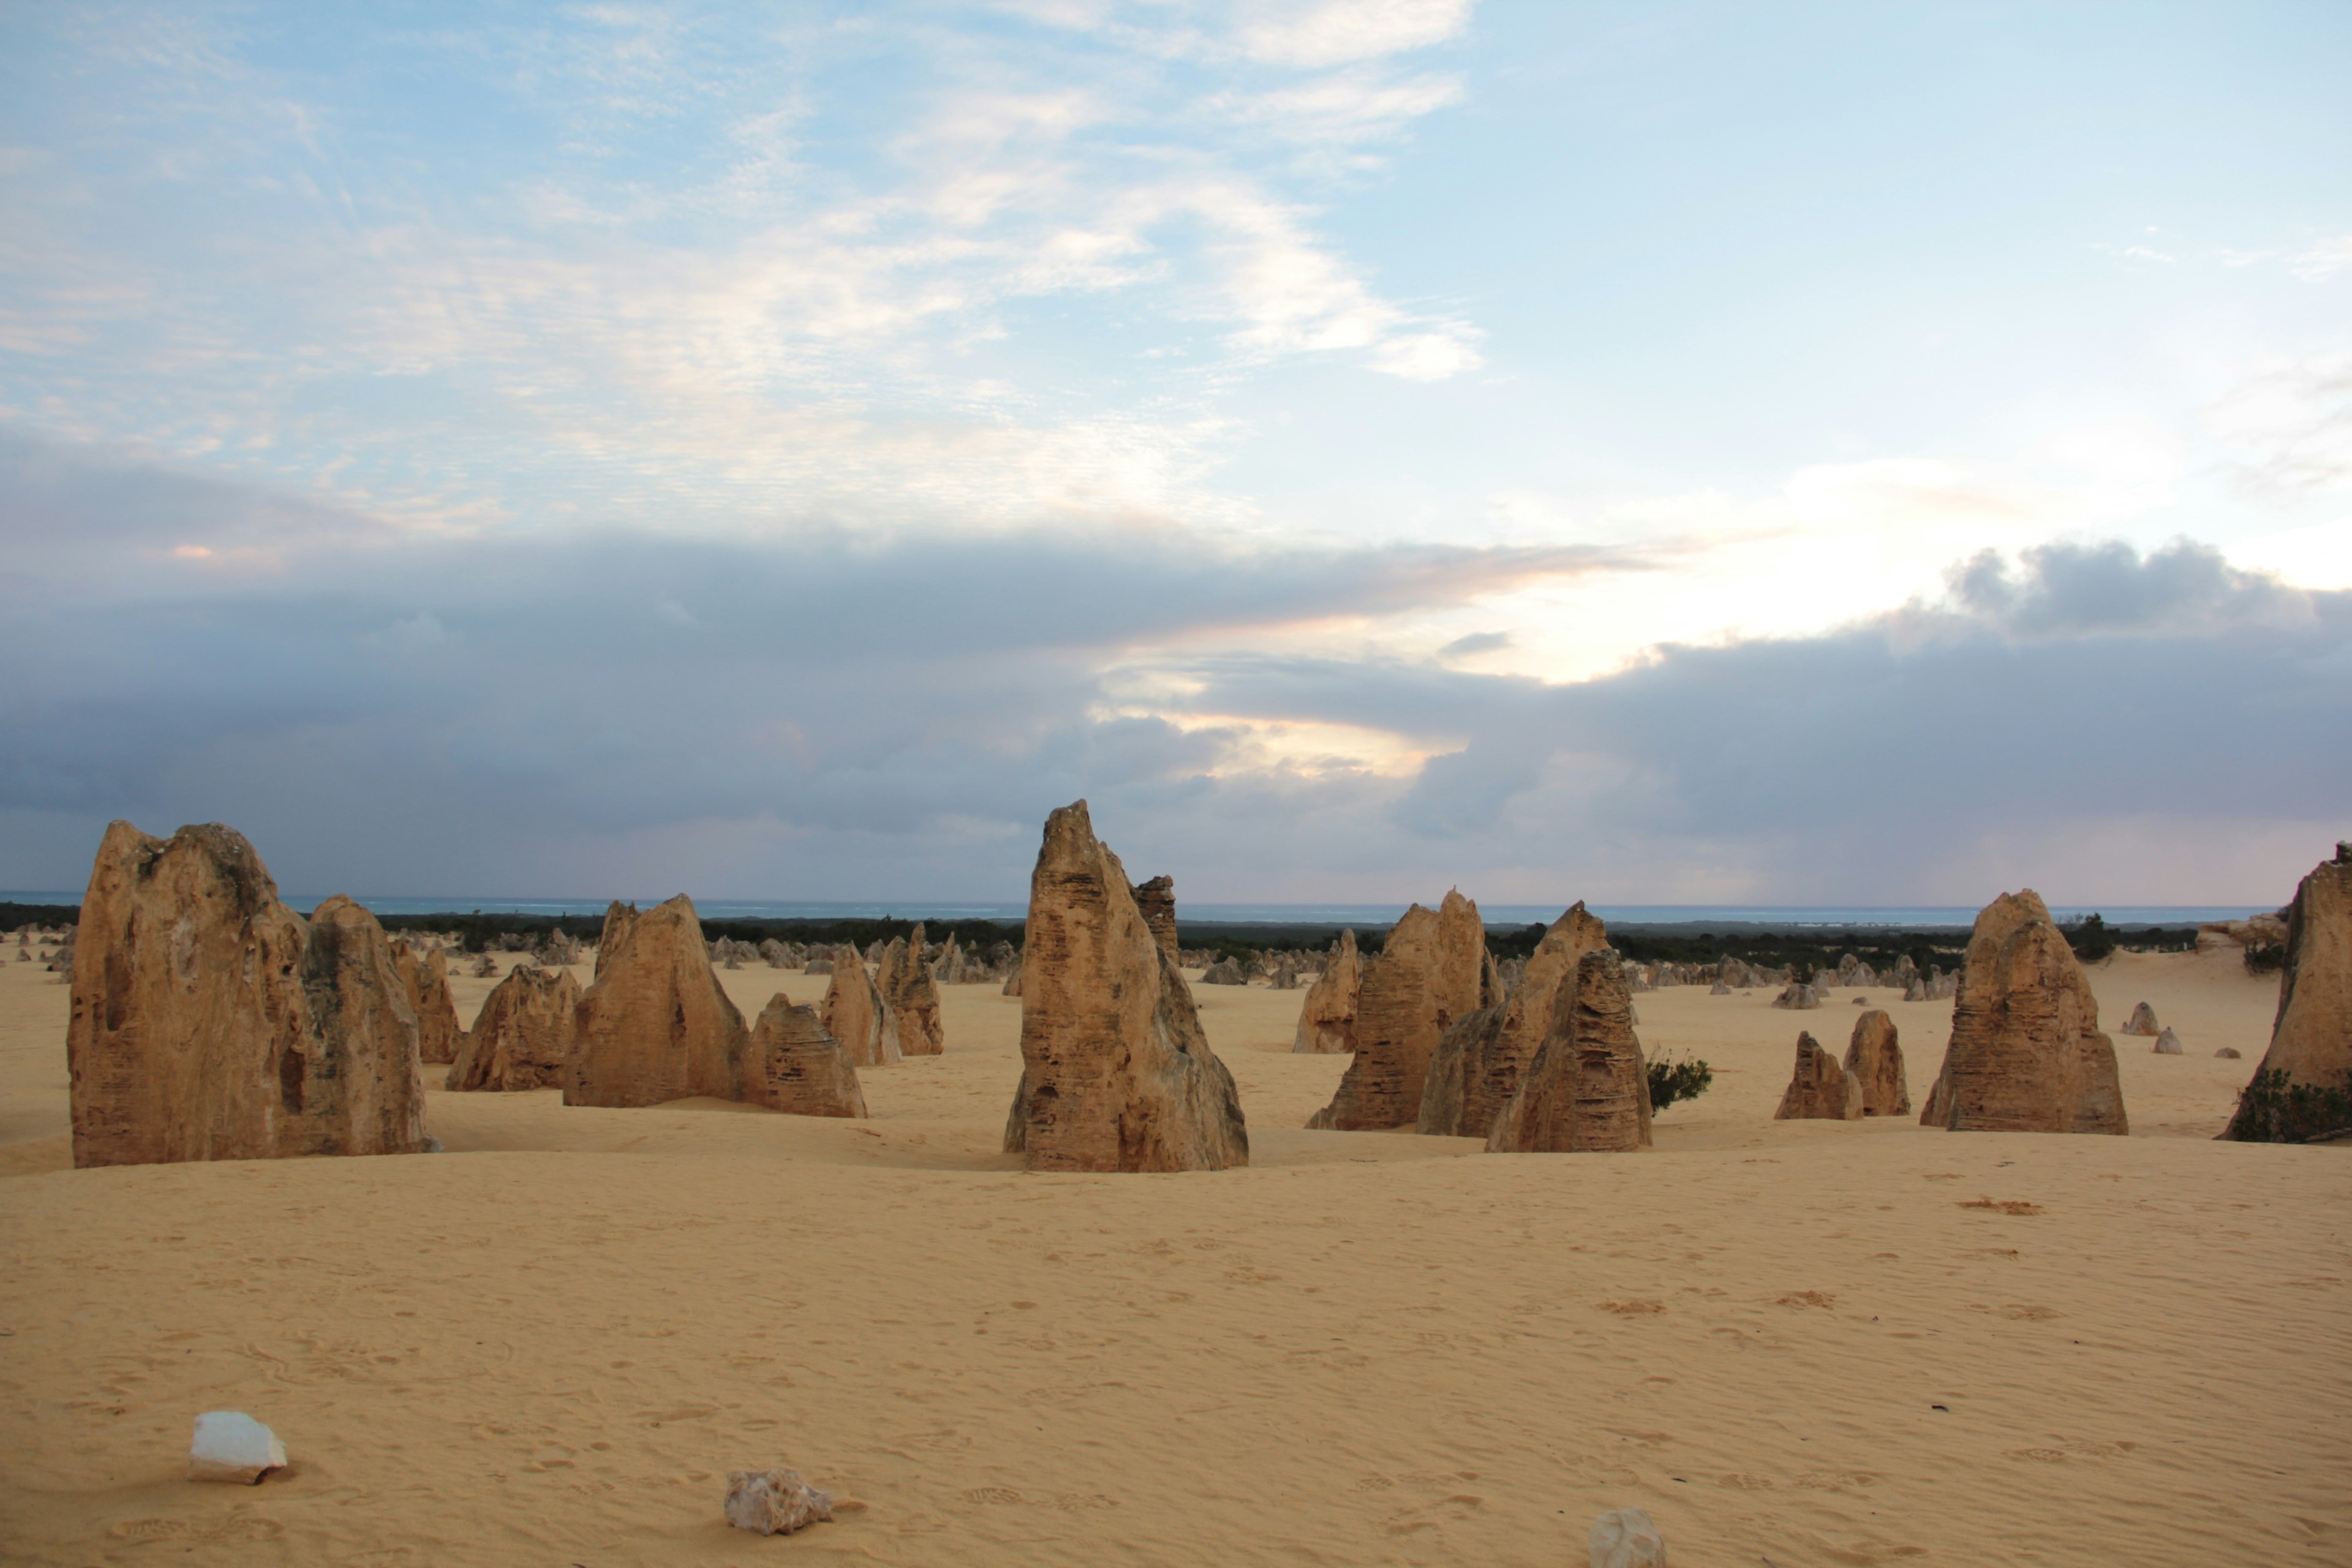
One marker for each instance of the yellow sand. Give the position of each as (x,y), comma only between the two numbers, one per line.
(1793,1343)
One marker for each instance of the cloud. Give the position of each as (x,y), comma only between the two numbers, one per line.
(1335,32)
(630,713)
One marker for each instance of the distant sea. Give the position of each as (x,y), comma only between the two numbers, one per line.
(1368,917)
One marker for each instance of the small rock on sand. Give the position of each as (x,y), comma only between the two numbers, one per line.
(2227,1053)
(775,1502)
(1626,1538)
(2168,1044)
(230,1446)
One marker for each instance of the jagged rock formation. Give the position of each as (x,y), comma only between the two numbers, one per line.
(1012,980)
(1285,974)
(211,1022)
(1116,1074)
(1587,1089)
(2026,1054)
(1873,1059)
(523,1037)
(910,998)
(2311,1040)
(1224,971)
(426,980)
(1916,991)
(1479,1061)
(1718,989)
(655,1025)
(853,1013)
(797,1067)
(1430,971)
(1326,1019)
(1819,1090)
(1156,899)
(1798,995)
(2141,1022)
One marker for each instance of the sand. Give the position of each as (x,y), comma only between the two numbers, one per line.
(1798,1343)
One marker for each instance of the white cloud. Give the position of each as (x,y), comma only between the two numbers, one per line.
(1335,32)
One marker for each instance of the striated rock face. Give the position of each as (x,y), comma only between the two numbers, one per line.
(426,980)
(910,998)
(851,1012)
(1116,1074)
(2141,1022)
(1013,981)
(1480,1059)
(1873,1059)
(1819,1090)
(1431,972)
(2311,1041)
(523,1035)
(211,1022)
(2026,1053)
(1156,899)
(1327,1016)
(796,1066)
(655,1026)
(1587,1088)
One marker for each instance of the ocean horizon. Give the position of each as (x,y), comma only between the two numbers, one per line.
(1370,915)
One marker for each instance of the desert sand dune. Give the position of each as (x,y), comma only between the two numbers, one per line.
(1805,1341)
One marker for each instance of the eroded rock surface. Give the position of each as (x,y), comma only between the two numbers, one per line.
(1431,971)
(1588,1089)
(1326,1019)
(426,980)
(1156,899)
(523,1037)
(1873,1059)
(853,1013)
(655,1025)
(211,1022)
(1115,1072)
(1480,1059)
(2026,1054)
(2141,1022)
(797,1067)
(910,998)
(1819,1090)
(2310,1039)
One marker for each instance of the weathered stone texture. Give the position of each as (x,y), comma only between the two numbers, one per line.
(426,980)
(211,1022)
(797,1067)
(1156,899)
(655,1025)
(1873,1059)
(853,1013)
(1326,1019)
(910,998)
(523,1037)
(1819,1090)
(1588,1089)
(1480,1059)
(1115,1072)
(1431,971)
(2026,1054)
(2310,1039)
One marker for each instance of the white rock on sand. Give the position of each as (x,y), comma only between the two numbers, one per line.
(230,1446)
(1627,1538)
(774,1502)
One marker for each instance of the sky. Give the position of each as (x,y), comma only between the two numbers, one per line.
(1658,453)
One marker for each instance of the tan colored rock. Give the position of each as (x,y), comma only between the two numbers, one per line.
(851,1012)
(2141,1022)
(1819,1090)
(523,1037)
(774,1502)
(656,1026)
(1480,1059)
(1874,1059)
(1588,1089)
(2026,1054)
(1116,1074)
(211,1022)
(1156,899)
(2310,1039)
(1013,981)
(910,998)
(797,1067)
(1798,994)
(1431,971)
(2168,1044)
(426,980)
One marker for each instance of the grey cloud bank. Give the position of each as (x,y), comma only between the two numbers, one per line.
(573,714)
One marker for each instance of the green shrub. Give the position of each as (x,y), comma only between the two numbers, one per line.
(1670,1081)
(2275,1109)
(2265,957)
